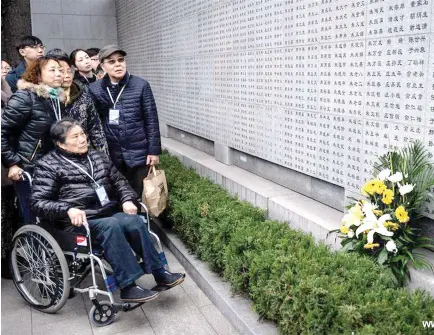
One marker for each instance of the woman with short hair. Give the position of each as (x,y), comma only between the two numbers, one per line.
(26,122)
(74,186)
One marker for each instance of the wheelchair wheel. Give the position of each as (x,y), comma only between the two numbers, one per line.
(39,269)
(107,316)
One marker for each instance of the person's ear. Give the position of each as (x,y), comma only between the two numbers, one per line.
(22,52)
(61,145)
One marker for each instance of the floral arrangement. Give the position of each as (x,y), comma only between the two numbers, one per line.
(382,224)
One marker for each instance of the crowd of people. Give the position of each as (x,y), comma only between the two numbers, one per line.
(87,131)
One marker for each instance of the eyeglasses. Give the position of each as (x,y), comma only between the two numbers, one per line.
(120,60)
(38,46)
(95,59)
(7,68)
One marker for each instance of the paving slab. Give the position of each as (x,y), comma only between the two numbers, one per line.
(177,311)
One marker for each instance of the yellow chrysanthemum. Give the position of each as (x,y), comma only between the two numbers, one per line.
(391,225)
(377,212)
(387,197)
(344,230)
(371,245)
(374,186)
(401,214)
(381,187)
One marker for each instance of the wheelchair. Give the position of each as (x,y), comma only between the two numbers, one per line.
(49,264)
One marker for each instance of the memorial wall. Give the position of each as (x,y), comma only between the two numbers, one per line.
(319,87)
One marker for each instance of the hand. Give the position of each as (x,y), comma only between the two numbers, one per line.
(77,216)
(15,172)
(129,208)
(152,160)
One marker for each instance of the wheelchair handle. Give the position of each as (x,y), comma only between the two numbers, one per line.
(25,175)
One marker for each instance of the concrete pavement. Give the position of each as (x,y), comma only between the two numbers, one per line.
(183,310)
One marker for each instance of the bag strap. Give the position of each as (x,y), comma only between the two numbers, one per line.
(152,170)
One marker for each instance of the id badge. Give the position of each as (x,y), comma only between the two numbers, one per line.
(113,116)
(102,195)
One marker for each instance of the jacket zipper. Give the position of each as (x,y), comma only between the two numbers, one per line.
(36,149)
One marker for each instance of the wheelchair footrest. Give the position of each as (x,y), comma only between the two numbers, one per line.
(127,306)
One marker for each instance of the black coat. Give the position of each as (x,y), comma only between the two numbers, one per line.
(80,107)
(15,74)
(138,133)
(25,126)
(59,186)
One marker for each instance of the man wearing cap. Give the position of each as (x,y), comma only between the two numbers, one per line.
(127,107)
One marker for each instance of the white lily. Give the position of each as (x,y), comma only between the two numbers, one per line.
(395,177)
(374,225)
(356,210)
(383,174)
(350,233)
(368,207)
(367,224)
(350,220)
(391,247)
(406,188)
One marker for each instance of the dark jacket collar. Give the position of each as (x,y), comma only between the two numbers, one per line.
(83,79)
(71,155)
(106,80)
(74,93)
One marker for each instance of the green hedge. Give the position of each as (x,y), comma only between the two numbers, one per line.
(303,286)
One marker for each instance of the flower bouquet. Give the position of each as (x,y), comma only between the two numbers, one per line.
(382,224)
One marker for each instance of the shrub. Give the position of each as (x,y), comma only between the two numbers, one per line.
(303,286)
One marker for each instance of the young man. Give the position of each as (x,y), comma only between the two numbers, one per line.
(29,48)
(127,108)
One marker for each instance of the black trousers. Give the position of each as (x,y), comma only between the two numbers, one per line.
(135,176)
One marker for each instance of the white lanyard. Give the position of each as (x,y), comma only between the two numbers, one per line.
(83,170)
(57,111)
(117,99)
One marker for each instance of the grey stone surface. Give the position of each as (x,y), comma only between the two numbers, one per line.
(103,27)
(46,6)
(223,153)
(17,323)
(71,24)
(52,43)
(192,140)
(76,26)
(103,7)
(76,7)
(164,130)
(218,321)
(177,312)
(72,44)
(49,25)
(322,191)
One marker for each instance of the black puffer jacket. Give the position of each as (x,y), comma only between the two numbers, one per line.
(138,133)
(25,125)
(59,186)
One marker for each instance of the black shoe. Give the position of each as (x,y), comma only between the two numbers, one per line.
(168,279)
(136,293)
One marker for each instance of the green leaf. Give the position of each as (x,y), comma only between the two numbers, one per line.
(382,257)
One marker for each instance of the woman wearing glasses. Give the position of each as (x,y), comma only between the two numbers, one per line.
(30,48)
(26,121)
(127,108)
(82,65)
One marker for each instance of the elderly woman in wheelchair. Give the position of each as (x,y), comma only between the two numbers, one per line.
(78,196)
